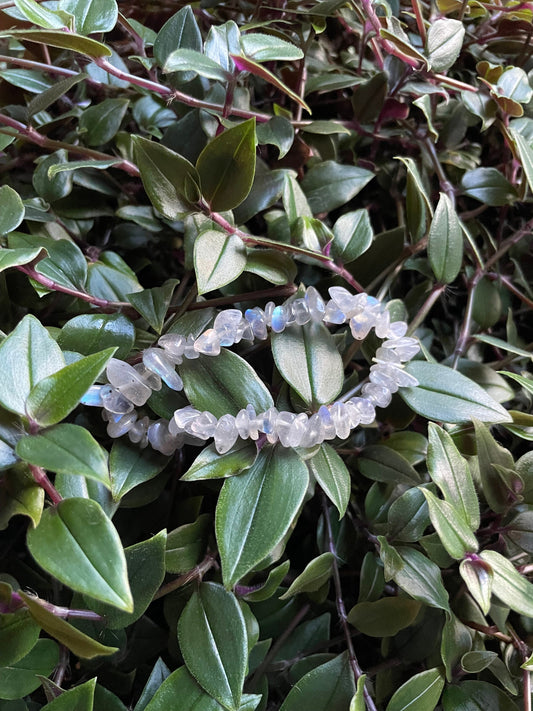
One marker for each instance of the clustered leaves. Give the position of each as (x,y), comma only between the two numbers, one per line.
(160,163)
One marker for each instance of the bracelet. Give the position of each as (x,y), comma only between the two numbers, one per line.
(132,385)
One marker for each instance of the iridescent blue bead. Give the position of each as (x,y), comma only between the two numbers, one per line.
(93,396)
(279,319)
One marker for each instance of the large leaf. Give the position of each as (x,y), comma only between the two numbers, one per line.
(153,304)
(182,60)
(420,578)
(353,235)
(454,532)
(421,692)
(180,31)
(385,617)
(333,476)
(99,123)
(444,42)
(445,395)
(61,40)
(329,185)
(91,15)
(28,355)
(445,242)
(22,678)
(308,359)
(227,166)
(218,259)
(225,384)
(78,544)
(213,642)
(54,397)
(329,687)
(80,698)
(251,517)
(15,257)
(66,449)
(513,589)
(12,210)
(39,15)
(18,635)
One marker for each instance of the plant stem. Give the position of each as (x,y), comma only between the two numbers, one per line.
(273,292)
(196,573)
(417,9)
(341,609)
(42,480)
(464,334)
(426,307)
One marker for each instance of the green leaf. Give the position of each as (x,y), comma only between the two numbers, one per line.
(28,355)
(476,696)
(329,185)
(333,476)
(499,491)
(66,449)
(218,259)
(227,166)
(20,495)
(91,15)
(91,333)
(453,530)
(272,583)
(314,575)
(478,577)
(421,578)
(526,383)
(153,304)
(22,678)
(16,257)
(275,267)
(353,235)
(39,15)
(277,132)
(308,359)
(130,466)
(55,396)
(62,40)
(79,698)
(72,165)
(408,516)
(99,123)
(445,395)
(525,154)
(91,564)
(251,516)
(329,687)
(418,204)
(180,31)
(445,242)
(27,79)
(79,643)
(45,99)
(159,673)
(186,545)
(382,463)
(18,635)
(489,186)
(385,617)
(221,41)
(421,692)
(12,212)
(183,60)
(358,702)
(223,385)
(65,264)
(145,562)
(268,48)
(450,472)
(213,642)
(444,43)
(513,589)
(110,278)
(170,180)
(209,464)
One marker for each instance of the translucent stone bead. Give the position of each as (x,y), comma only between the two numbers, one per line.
(361,325)
(315,304)
(114,401)
(121,424)
(257,319)
(341,419)
(269,310)
(382,374)
(190,351)
(386,355)
(208,343)
(279,319)
(138,431)
(365,408)
(397,329)
(298,430)
(244,331)
(353,414)
(125,378)
(382,324)
(160,438)
(226,324)
(300,311)
(333,314)
(182,419)
(174,345)
(268,421)
(150,379)
(283,427)
(291,317)
(156,361)
(327,422)
(314,433)
(349,304)
(203,426)
(403,378)
(93,396)
(405,348)
(246,423)
(378,394)
(225,434)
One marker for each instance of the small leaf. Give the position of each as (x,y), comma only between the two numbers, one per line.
(277,132)
(180,31)
(445,242)
(382,463)
(66,449)
(513,589)
(46,98)
(91,333)
(216,659)
(333,476)
(421,578)
(79,643)
(91,564)
(12,212)
(422,691)
(244,64)
(72,165)
(91,15)
(153,304)
(251,517)
(39,15)
(353,235)
(272,583)
(227,166)
(54,397)
(183,60)
(525,154)
(209,464)
(130,466)
(218,259)
(445,395)
(16,257)
(476,695)
(488,186)
(444,43)
(22,678)
(186,545)
(268,48)
(329,185)
(454,532)
(500,491)
(329,687)
(385,617)
(63,40)
(308,359)
(20,495)
(99,123)
(275,267)
(314,575)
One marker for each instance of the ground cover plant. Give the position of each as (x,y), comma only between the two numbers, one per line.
(162,163)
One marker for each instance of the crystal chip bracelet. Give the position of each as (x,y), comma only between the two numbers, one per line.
(132,385)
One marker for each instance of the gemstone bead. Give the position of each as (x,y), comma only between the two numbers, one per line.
(300,311)
(156,361)
(384,376)
(208,343)
(190,351)
(341,419)
(138,430)
(225,434)
(327,422)
(174,345)
(160,438)
(125,378)
(397,329)
(382,324)
(150,379)
(379,394)
(226,324)
(283,427)
(121,424)
(314,433)
(298,430)
(257,319)
(333,314)
(365,408)
(204,426)
(361,325)
(405,347)
(315,303)
(114,401)
(279,319)
(93,396)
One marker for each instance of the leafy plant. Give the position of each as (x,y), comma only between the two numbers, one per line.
(160,164)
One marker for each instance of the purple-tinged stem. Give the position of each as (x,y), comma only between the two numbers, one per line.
(44,482)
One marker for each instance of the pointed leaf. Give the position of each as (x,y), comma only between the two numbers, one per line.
(329,687)
(39,15)
(478,577)
(385,617)
(218,259)
(180,31)
(454,532)
(12,212)
(445,242)
(63,40)
(91,333)
(513,589)
(444,43)
(498,490)
(91,15)
(421,578)
(333,476)
(268,48)
(353,235)
(182,60)
(422,691)
(100,123)
(18,635)
(186,545)
(329,185)
(209,464)
(20,495)
(525,154)
(45,99)
(80,698)
(16,257)
(54,397)
(153,304)
(213,642)
(130,466)
(22,678)
(227,166)
(92,564)
(251,517)
(314,575)
(244,64)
